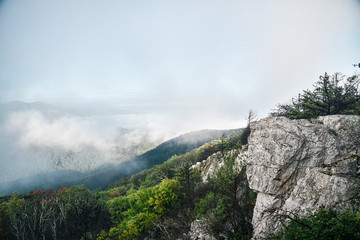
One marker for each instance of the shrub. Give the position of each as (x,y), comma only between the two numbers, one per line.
(324,224)
(137,211)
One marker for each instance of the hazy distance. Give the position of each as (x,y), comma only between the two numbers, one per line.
(100,74)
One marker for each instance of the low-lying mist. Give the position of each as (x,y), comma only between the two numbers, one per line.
(43,146)
(36,138)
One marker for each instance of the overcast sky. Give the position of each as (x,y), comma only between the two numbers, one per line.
(201,63)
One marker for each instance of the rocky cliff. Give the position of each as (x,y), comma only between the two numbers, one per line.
(299,165)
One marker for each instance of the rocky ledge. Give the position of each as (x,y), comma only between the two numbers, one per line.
(297,166)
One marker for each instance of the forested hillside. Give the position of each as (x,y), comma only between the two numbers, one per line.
(109,173)
(270,187)
(159,202)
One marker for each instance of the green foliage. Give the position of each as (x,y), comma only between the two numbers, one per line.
(332,131)
(228,207)
(15,209)
(236,200)
(170,168)
(177,167)
(164,200)
(227,177)
(205,204)
(328,97)
(238,145)
(137,211)
(324,224)
(74,213)
(4,221)
(84,210)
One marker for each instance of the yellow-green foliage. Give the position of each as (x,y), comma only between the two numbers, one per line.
(137,211)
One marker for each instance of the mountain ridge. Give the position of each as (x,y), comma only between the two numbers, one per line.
(110,172)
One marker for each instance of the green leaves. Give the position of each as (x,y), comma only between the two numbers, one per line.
(67,213)
(324,224)
(4,221)
(327,98)
(137,211)
(227,208)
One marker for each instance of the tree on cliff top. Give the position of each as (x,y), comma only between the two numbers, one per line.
(331,95)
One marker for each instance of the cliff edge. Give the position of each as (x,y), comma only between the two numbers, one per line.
(297,166)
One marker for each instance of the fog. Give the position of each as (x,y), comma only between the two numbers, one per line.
(189,56)
(118,73)
(39,138)
(69,133)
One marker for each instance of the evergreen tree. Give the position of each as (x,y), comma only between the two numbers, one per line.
(331,95)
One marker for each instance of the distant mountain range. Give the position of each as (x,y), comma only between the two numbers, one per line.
(108,173)
(43,146)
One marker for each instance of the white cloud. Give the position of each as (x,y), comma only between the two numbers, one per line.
(69,133)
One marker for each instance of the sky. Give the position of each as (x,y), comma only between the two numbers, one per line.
(172,65)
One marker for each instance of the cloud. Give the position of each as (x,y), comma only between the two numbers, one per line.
(38,141)
(66,132)
(34,141)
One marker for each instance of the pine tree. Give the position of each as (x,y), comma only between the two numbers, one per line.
(328,97)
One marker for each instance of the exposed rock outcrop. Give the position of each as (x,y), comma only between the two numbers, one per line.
(199,230)
(212,164)
(298,166)
(208,169)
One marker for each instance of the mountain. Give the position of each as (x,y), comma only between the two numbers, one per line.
(288,170)
(110,172)
(179,145)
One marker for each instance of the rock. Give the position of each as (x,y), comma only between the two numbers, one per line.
(211,165)
(298,166)
(199,230)
(208,169)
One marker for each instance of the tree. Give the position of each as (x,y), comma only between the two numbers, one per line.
(228,207)
(85,212)
(16,210)
(236,201)
(4,221)
(137,212)
(246,133)
(323,224)
(331,95)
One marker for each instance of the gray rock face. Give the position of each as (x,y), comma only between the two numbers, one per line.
(212,164)
(199,230)
(298,166)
